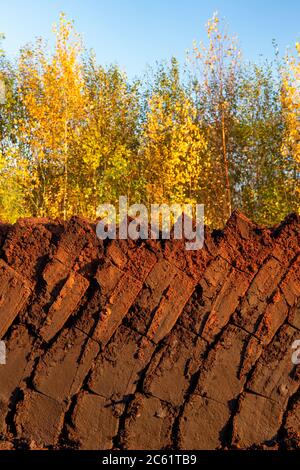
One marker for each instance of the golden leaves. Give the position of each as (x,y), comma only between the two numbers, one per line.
(291,105)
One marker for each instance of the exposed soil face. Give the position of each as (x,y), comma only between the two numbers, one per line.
(144,345)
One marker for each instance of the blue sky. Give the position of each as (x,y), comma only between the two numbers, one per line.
(135,33)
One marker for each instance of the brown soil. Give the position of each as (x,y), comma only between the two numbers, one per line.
(144,345)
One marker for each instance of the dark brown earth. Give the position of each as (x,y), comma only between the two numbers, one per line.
(144,345)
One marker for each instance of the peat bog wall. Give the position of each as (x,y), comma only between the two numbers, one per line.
(144,345)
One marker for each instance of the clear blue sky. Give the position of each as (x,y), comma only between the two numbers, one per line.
(134,33)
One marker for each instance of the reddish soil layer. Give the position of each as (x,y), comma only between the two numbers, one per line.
(144,345)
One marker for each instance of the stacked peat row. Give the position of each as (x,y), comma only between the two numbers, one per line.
(144,345)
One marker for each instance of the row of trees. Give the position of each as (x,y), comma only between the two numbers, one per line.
(75,134)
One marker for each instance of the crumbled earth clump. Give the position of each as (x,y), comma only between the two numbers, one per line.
(122,344)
